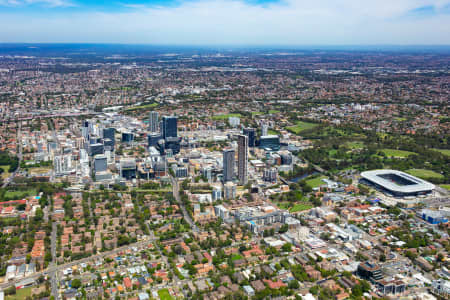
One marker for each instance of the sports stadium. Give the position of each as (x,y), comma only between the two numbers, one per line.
(396,183)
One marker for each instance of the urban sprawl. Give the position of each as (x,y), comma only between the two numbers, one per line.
(224,175)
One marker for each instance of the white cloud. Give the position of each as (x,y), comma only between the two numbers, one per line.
(291,22)
(48,3)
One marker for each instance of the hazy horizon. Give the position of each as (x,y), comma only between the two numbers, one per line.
(253,23)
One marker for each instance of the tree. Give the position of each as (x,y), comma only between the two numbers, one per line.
(76,283)
(39,215)
(284,228)
(357,291)
(314,290)
(293,284)
(287,247)
(10,291)
(48,257)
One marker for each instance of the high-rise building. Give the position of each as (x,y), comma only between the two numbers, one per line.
(169,127)
(63,164)
(100,163)
(180,172)
(85,130)
(270,175)
(173,143)
(229,191)
(161,146)
(108,133)
(128,168)
(216,193)
(153,122)
(96,148)
(234,121)
(251,134)
(207,173)
(127,137)
(228,165)
(264,129)
(270,142)
(286,157)
(95,139)
(153,138)
(109,144)
(243,159)
(221,211)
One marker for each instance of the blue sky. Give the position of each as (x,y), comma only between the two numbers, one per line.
(228,22)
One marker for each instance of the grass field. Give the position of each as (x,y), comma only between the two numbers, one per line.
(301,126)
(21,294)
(5,173)
(397,153)
(424,174)
(332,152)
(300,207)
(443,151)
(236,257)
(39,170)
(20,194)
(142,106)
(225,117)
(282,205)
(316,182)
(255,113)
(273,111)
(165,190)
(354,145)
(297,207)
(164,294)
(445,186)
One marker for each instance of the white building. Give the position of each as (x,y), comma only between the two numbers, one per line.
(229,190)
(234,121)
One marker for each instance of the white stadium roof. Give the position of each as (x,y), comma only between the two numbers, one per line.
(418,185)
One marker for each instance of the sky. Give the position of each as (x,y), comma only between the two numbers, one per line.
(227,22)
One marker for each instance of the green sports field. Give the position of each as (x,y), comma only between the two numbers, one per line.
(301,126)
(397,153)
(225,117)
(443,151)
(300,207)
(21,294)
(425,174)
(164,294)
(5,173)
(145,106)
(316,182)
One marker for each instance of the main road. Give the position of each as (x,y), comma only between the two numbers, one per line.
(56,268)
(53,275)
(176,194)
(19,155)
